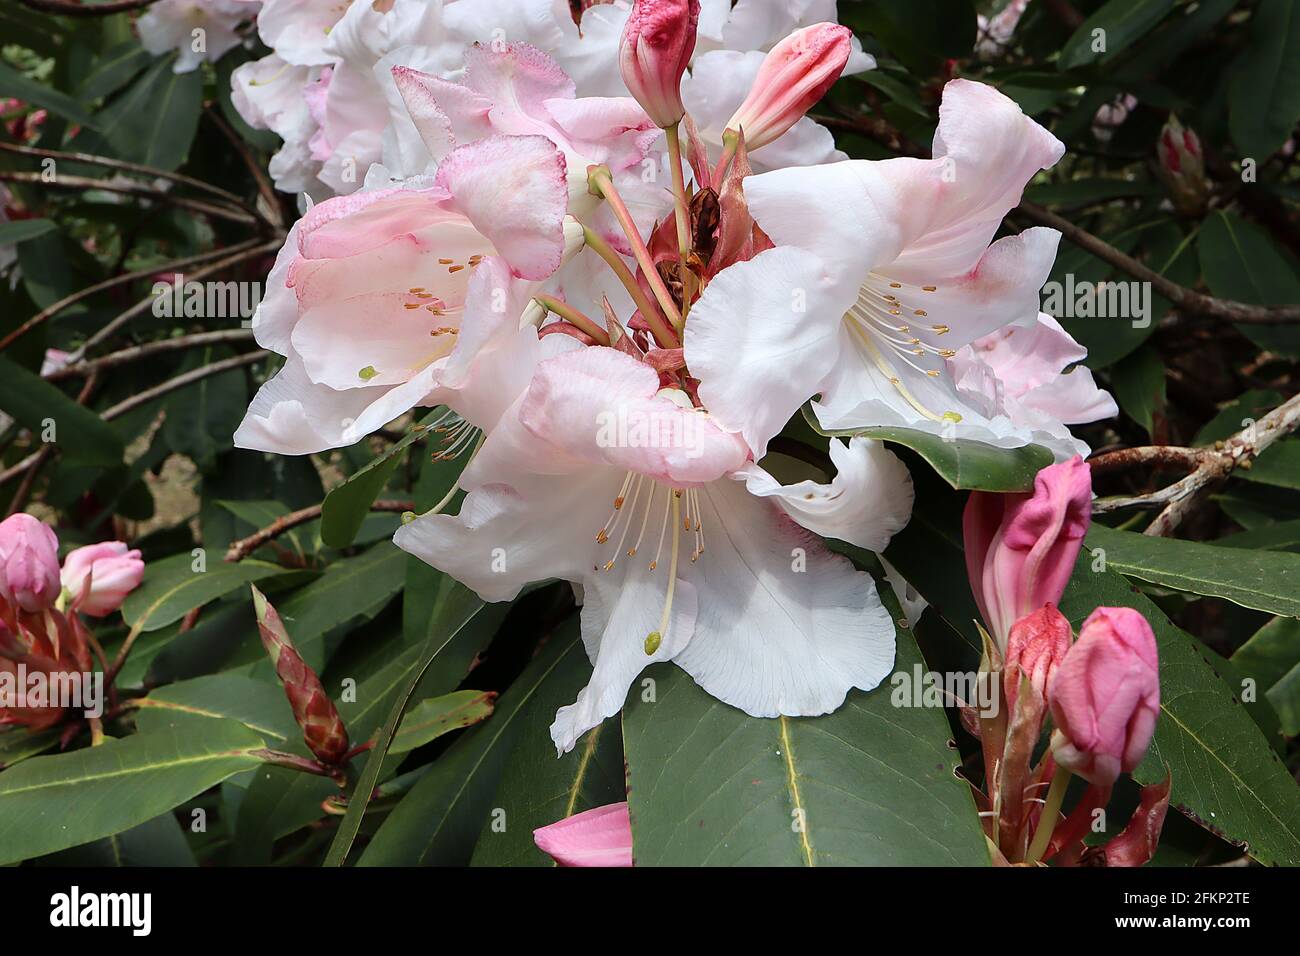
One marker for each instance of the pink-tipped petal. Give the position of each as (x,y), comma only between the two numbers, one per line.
(598,837)
(513,189)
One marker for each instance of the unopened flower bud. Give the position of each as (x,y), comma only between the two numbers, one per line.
(100,576)
(29,563)
(656,48)
(1182,167)
(1021,548)
(1036,645)
(794,76)
(597,837)
(1105,696)
(322,728)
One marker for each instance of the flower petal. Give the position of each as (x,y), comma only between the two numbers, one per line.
(602,406)
(784,626)
(617,618)
(513,189)
(601,836)
(762,338)
(867,503)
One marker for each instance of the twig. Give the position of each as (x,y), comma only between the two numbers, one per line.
(246,546)
(1154,455)
(1183,298)
(246,252)
(216,210)
(92,159)
(1212,466)
(76,297)
(180,381)
(265,188)
(137,352)
(70,8)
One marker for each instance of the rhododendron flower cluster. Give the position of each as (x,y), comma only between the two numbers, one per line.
(43,638)
(616,351)
(327,88)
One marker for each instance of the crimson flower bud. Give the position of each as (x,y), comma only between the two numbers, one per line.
(322,728)
(1037,644)
(1182,166)
(1105,696)
(794,76)
(656,48)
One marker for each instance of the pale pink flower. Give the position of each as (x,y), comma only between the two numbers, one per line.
(171,25)
(601,836)
(1105,696)
(685,549)
(1027,376)
(100,576)
(517,90)
(388,298)
(894,274)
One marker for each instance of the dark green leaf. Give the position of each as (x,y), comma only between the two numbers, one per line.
(536,788)
(153,121)
(1121,22)
(873,783)
(64,800)
(1139,382)
(1264,98)
(1264,580)
(172,586)
(12,233)
(1240,261)
(1272,658)
(437,823)
(36,404)
(455,613)
(347,505)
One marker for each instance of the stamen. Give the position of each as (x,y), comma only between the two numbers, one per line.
(655,638)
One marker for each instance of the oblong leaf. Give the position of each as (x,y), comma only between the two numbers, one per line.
(870,784)
(1263,580)
(51,803)
(172,587)
(963,463)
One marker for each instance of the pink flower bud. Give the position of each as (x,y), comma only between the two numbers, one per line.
(1021,548)
(100,576)
(656,48)
(1105,696)
(1037,644)
(29,563)
(599,837)
(794,76)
